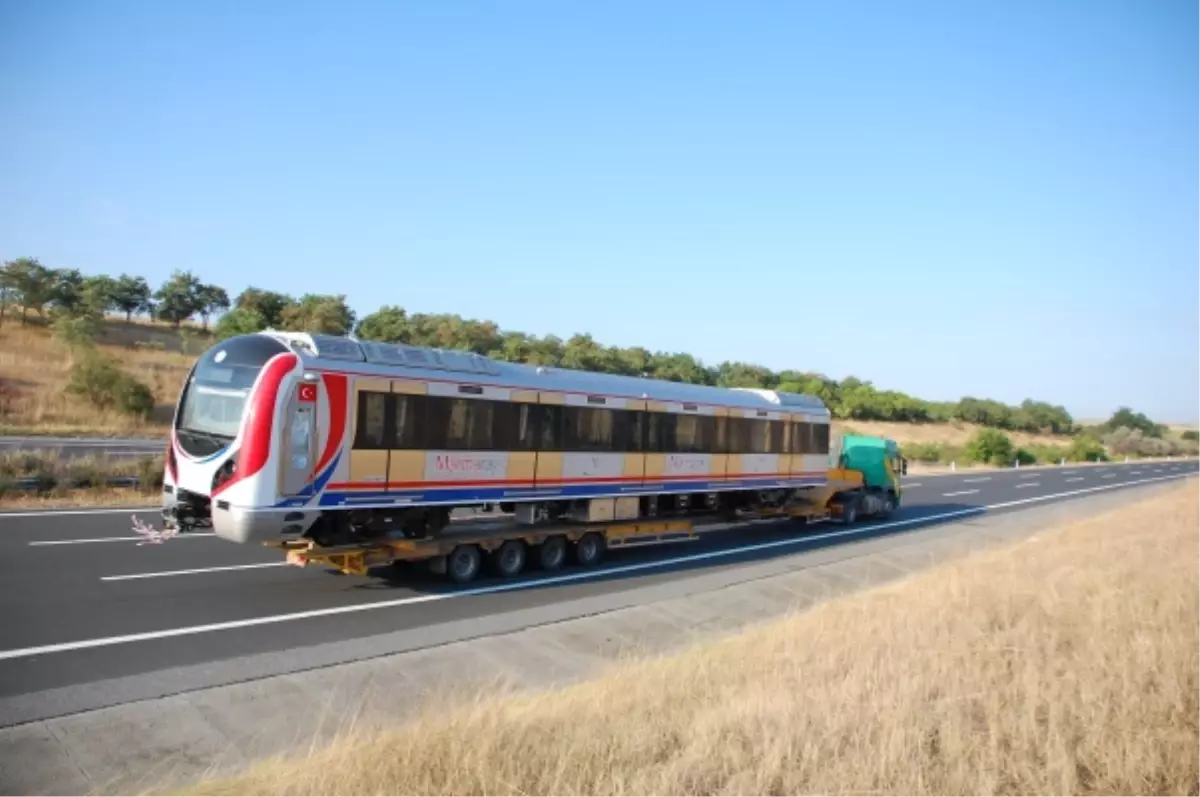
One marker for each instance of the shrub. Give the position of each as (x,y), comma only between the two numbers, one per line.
(1086,449)
(1047,454)
(990,446)
(1025,457)
(105,386)
(1191,435)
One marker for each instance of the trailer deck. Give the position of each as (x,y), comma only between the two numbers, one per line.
(460,552)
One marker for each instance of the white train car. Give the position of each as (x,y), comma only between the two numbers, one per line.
(283,434)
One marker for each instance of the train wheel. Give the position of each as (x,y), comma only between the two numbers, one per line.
(463,564)
(589,549)
(509,559)
(552,553)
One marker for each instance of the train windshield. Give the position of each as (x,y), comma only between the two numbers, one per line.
(215,396)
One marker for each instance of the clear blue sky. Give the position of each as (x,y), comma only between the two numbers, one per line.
(989,198)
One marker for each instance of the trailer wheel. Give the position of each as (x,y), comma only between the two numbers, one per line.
(552,553)
(463,564)
(509,559)
(589,549)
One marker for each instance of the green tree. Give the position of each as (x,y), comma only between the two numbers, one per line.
(99,294)
(31,283)
(8,289)
(131,295)
(329,315)
(388,324)
(990,446)
(211,299)
(1125,417)
(68,292)
(269,305)
(1191,434)
(239,321)
(179,298)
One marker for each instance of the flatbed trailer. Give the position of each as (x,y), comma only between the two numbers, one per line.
(508,546)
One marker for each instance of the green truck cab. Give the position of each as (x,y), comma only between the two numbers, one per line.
(878,463)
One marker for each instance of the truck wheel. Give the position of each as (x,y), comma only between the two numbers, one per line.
(850,512)
(509,559)
(889,506)
(552,553)
(463,564)
(589,549)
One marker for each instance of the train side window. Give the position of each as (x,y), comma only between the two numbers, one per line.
(371,427)
(760,436)
(775,440)
(516,427)
(459,424)
(587,429)
(549,427)
(627,430)
(661,433)
(821,438)
(693,434)
(720,435)
(739,435)
(407,422)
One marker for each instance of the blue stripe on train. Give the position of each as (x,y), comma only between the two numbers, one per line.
(495,494)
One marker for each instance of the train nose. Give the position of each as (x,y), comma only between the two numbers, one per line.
(242,525)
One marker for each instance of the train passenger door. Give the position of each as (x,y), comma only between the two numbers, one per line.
(300,439)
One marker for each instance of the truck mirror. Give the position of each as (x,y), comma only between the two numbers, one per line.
(903,467)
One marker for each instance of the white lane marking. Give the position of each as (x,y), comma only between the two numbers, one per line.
(1022,485)
(1069,472)
(1076,479)
(1110,476)
(980,479)
(61,512)
(1135,473)
(187,536)
(566,578)
(906,486)
(960,492)
(1031,475)
(164,573)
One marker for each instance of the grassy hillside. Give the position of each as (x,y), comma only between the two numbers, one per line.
(971,678)
(35,371)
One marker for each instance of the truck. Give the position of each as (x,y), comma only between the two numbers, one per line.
(863,482)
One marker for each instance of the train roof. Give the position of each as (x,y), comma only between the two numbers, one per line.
(418,362)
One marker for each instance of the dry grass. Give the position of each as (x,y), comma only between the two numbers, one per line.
(75,499)
(1066,664)
(951,434)
(34,371)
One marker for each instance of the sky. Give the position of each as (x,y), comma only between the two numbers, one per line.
(990,198)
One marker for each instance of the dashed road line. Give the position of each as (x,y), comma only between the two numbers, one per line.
(165,573)
(960,492)
(600,572)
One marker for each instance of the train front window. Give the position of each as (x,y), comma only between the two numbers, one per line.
(214,399)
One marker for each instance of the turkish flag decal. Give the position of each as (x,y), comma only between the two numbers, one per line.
(307,394)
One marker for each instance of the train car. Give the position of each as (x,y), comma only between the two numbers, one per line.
(281,435)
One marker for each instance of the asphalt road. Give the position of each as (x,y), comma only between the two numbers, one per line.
(81,602)
(74,447)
